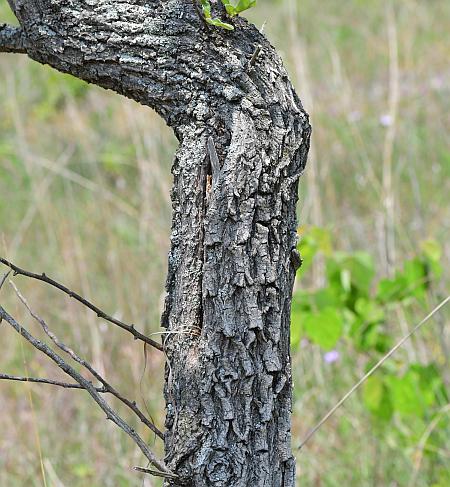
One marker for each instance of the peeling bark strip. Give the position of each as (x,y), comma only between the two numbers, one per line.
(231,271)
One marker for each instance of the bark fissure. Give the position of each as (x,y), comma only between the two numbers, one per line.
(231,265)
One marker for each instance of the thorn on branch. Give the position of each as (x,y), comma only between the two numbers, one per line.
(4,279)
(156,473)
(82,381)
(39,380)
(108,387)
(101,314)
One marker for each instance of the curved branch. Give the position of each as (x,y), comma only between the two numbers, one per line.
(12,39)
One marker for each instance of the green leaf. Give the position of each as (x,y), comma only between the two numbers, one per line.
(390,290)
(324,298)
(370,311)
(416,277)
(432,253)
(372,338)
(418,391)
(218,23)
(406,395)
(324,328)
(245,5)
(206,8)
(351,272)
(240,7)
(231,10)
(376,398)
(431,381)
(312,241)
(432,250)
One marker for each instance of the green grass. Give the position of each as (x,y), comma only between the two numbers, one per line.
(85,196)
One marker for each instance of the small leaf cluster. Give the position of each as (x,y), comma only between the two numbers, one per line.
(357,310)
(232,10)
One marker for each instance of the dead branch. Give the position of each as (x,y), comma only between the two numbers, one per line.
(111,414)
(39,380)
(158,474)
(107,386)
(100,313)
(4,278)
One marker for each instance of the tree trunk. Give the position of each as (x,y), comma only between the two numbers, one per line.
(244,139)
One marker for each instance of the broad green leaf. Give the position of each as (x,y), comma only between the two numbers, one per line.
(324,298)
(418,391)
(373,338)
(411,282)
(376,398)
(369,310)
(390,290)
(245,5)
(416,278)
(324,327)
(351,271)
(231,11)
(430,381)
(407,397)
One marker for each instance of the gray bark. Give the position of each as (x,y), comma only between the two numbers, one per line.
(244,138)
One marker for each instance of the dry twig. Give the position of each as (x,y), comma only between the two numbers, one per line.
(100,313)
(39,380)
(111,414)
(108,387)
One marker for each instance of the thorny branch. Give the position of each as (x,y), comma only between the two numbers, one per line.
(4,279)
(89,387)
(107,386)
(100,313)
(39,380)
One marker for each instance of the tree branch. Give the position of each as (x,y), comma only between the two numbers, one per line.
(101,314)
(12,39)
(38,380)
(107,386)
(2,281)
(87,385)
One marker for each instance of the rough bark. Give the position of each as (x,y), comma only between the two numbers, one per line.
(232,260)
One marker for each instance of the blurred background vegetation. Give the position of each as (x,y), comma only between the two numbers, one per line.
(85,196)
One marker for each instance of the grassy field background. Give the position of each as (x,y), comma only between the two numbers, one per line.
(85,196)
